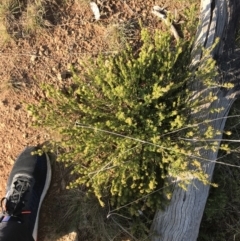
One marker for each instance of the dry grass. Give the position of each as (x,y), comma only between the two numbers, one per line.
(34,14)
(11,85)
(19,19)
(83,212)
(82,2)
(76,211)
(9,10)
(3,32)
(119,34)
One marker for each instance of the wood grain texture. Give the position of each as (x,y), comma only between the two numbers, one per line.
(180,221)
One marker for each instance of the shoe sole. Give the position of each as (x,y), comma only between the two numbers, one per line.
(46,187)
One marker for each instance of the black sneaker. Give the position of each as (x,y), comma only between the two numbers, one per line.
(27,186)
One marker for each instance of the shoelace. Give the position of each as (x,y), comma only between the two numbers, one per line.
(14,203)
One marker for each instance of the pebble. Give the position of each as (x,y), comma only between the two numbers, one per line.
(33,58)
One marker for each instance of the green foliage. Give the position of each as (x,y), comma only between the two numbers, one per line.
(120,123)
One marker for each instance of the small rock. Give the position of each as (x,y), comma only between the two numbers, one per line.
(138,10)
(25,135)
(10,161)
(41,48)
(17,107)
(4,102)
(59,76)
(46,52)
(66,74)
(54,69)
(33,58)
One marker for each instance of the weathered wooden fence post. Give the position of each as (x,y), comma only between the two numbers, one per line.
(180,221)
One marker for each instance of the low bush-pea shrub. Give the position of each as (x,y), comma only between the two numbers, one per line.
(120,122)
